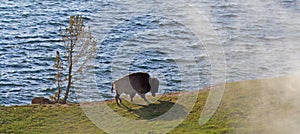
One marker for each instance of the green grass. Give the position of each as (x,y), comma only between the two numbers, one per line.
(256,106)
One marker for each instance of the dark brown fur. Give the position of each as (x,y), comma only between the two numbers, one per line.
(140,82)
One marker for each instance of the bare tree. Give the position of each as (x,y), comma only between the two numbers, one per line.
(80,49)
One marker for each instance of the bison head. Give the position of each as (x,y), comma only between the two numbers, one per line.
(154,83)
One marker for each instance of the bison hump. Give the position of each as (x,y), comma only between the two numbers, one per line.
(140,82)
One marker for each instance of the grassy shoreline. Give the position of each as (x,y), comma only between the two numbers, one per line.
(246,107)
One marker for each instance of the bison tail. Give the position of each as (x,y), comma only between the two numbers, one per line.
(112,88)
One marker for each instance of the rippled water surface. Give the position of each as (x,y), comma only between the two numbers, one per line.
(260,39)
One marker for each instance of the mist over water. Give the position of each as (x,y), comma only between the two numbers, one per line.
(260,39)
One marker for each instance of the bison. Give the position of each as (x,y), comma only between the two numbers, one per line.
(140,83)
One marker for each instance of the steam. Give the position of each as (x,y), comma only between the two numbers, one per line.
(275,108)
(264,35)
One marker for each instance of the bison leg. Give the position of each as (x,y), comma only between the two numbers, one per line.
(117,97)
(132,96)
(121,101)
(144,97)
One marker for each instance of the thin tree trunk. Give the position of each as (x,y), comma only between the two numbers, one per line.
(70,75)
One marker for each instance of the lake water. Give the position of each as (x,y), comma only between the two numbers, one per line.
(259,39)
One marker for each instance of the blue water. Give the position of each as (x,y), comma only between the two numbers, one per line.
(259,39)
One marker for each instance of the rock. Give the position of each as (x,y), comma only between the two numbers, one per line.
(41,100)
